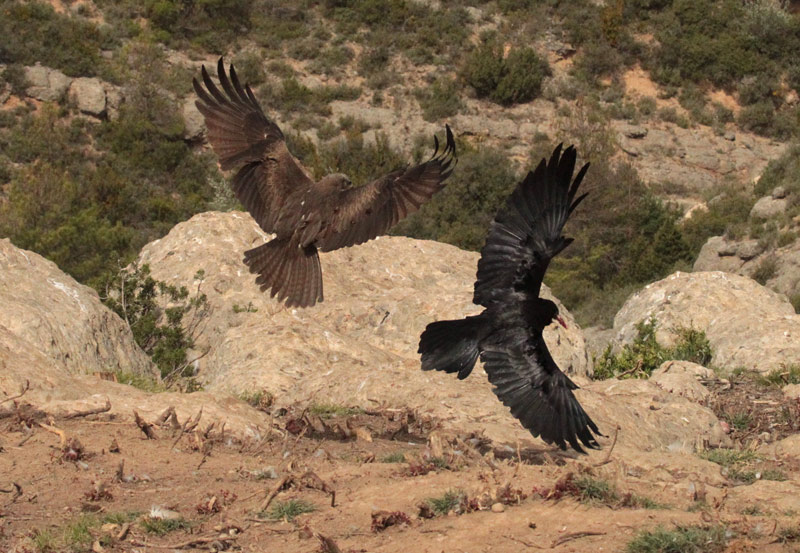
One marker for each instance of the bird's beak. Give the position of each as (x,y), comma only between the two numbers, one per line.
(561,321)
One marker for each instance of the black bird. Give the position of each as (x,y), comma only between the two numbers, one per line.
(523,238)
(305,215)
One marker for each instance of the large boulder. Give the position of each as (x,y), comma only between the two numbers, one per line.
(89,95)
(62,319)
(48,85)
(747,324)
(359,346)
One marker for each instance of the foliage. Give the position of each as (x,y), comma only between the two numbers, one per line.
(512,79)
(163,526)
(141,382)
(440,100)
(765,270)
(34,32)
(165,319)
(640,358)
(729,457)
(327,410)
(451,500)
(788,374)
(288,510)
(682,539)
(396,457)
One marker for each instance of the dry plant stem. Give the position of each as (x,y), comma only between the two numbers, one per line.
(94,411)
(608,455)
(145,427)
(60,433)
(188,426)
(193,543)
(574,536)
(523,542)
(271,495)
(22,392)
(327,545)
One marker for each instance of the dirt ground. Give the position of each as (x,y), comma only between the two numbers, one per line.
(92,483)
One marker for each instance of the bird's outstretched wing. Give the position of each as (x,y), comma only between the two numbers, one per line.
(527,380)
(243,136)
(361,214)
(526,234)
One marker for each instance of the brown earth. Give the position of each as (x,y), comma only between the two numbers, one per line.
(218,484)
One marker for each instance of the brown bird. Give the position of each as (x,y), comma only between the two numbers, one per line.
(306,216)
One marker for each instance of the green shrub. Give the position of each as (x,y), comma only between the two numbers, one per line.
(758,118)
(210,24)
(514,79)
(165,319)
(33,32)
(440,100)
(766,269)
(288,510)
(682,539)
(640,358)
(451,500)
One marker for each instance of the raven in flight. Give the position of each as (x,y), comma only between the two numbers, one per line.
(279,193)
(523,238)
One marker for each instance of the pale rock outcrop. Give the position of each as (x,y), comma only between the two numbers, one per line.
(46,84)
(767,207)
(89,95)
(193,121)
(62,319)
(747,324)
(720,254)
(683,378)
(358,347)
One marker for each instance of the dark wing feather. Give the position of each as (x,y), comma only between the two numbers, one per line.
(526,234)
(243,136)
(527,380)
(361,214)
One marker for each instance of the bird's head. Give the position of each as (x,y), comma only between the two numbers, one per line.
(335,181)
(542,313)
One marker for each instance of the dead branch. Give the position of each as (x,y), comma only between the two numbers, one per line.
(145,427)
(60,433)
(93,411)
(16,489)
(188,426)
(22,392)
(309,479)
(327,545)
(525,543)
(192,543)
(608,455)
(119,474)
(271,495)
(574,536)
(163,417)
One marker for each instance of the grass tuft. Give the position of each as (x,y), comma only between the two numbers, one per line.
(683,539)
(451,500)
(288,510)
(163,526)
(326,410)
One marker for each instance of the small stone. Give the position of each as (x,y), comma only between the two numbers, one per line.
(779,192)
(498,508)
(730,135)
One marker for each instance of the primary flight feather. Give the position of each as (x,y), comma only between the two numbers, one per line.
(306,215)
(523,238)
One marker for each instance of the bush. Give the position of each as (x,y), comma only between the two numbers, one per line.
(645,354)
(683,539)
(165,319)
(33,31)
(515,79)
(439,101)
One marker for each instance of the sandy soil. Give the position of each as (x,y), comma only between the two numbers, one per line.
(107,476)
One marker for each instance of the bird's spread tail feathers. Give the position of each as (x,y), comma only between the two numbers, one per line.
(451,346)
(293,273)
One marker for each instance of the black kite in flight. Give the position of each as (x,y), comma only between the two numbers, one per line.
(279,193)
(523,238)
